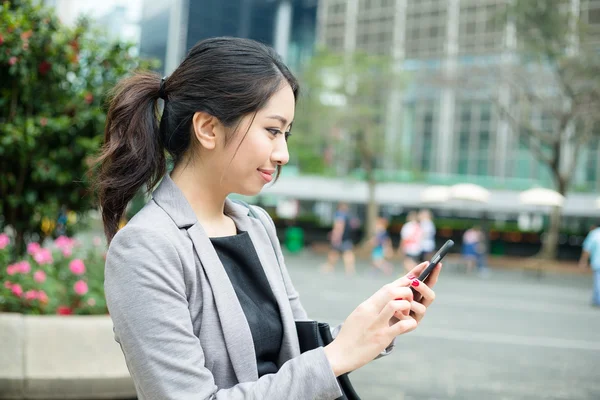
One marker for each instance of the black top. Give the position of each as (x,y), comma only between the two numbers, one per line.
(252,288)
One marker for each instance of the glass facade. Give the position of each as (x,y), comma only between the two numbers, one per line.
(255,19)
(443,36)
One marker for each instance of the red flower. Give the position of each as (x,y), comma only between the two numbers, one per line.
(44,67)
(89,98)
(64,310)
(1,40)
(13,60)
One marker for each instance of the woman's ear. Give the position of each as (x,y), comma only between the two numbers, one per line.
(206,129)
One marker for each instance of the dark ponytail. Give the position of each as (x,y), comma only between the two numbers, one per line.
(133,154)
(225,77)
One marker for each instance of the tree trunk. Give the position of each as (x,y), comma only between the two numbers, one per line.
(550,244)
(372,209)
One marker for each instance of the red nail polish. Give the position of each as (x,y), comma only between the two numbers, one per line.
(399,298)
(415,282)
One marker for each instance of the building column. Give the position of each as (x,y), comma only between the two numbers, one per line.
(177,34)
(393,126)
(504,143)
(322,10)
(283,25)
(350,28)
(447,101)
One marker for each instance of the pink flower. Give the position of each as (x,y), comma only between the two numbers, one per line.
(43,256)
(33,248)
(42,296)
(63,241)
(77,266)
(31,295)
(17,289)
(24,267)
(13,60)
(39,276)
(7,284)
(4,240)
(12,269)
(67,251)
(80,287)
(97,241)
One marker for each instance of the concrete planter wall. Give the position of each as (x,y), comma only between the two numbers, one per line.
(61,357)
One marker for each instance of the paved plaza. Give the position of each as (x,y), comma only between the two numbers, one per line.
(511,335)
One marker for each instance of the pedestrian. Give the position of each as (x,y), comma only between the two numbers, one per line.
(382,247)
(473,249)
(341,241)
(428,238)
(411,236)
(200,304)
(590,254)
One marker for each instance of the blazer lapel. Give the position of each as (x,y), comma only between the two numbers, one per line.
(264,249)
(236,331)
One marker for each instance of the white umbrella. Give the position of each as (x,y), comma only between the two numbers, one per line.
(435,194)
(470,192)
(542,197)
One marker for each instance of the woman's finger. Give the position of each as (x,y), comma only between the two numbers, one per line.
(417,310)
(400,307)
(390,292)
(433,276)
(403,326)
(427,294)
(416,271)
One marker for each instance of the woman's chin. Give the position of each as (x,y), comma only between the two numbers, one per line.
(246,191)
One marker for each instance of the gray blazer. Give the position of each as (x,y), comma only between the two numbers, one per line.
(179,322)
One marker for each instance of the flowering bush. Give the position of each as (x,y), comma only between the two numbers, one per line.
(62,278)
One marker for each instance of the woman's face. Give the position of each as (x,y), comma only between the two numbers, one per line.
(250,160)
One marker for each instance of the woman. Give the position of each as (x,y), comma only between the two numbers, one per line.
(200,306)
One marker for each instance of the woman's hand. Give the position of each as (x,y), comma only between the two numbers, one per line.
(423,294)
(371,327)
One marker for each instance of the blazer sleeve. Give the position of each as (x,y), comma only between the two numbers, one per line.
(146,297)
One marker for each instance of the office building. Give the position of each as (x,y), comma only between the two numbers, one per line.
(446,132)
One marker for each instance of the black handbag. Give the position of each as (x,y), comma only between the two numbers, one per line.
(313,334)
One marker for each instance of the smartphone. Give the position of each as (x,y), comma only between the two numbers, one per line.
(435,260)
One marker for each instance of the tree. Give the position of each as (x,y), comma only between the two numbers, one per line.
(554,75)
(53,81)
(341,117)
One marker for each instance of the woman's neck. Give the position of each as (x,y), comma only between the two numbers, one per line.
(207,199)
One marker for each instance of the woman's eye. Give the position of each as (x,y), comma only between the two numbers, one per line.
(275,132)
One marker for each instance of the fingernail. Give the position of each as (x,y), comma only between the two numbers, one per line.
(411,277)
(399,298)
(415,282)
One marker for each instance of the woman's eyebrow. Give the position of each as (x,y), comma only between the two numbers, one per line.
(280,119)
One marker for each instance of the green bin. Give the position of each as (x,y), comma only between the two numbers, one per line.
(294,239)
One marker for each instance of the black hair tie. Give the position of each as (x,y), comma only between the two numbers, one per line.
(161,91)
